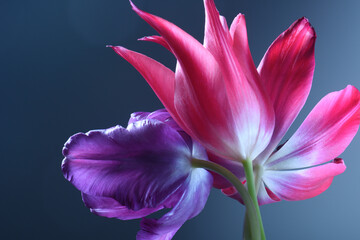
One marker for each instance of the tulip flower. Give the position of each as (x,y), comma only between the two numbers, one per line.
(221,108)
(240,113)
(132,172)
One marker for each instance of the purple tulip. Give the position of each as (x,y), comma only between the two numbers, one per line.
(129,173)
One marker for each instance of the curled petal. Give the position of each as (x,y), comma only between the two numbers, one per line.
(324,134)
(191,202)
(302,184)
(161,115)
(137,116)
(265,195)
(157,39)
(139,166)
(110,208)
(287,71)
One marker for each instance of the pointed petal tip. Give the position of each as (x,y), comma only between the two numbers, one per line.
(338,161)
(353,88)
(149,38)
(303,21)
(132,5)
(354,92)
(135,8)
(239,16)
(143,38)
(119,50)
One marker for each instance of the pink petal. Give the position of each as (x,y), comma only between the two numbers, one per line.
(241,48)
(287,71)
(160,78)
(198,77)
(324,134)
(157,39)
(265,195)
(252,114)
(216,106)
(305,183)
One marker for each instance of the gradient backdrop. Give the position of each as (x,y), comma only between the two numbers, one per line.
(58,78)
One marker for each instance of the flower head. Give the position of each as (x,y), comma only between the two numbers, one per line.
(240,113)
(129,173)
(215,94)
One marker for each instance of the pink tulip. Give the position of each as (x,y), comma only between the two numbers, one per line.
(241,113)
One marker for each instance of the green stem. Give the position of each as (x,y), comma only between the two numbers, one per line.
(251,215)
(246,233)
(250,180)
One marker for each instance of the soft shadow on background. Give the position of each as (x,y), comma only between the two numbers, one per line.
(58,78)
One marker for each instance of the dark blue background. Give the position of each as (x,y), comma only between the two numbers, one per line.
(57,78)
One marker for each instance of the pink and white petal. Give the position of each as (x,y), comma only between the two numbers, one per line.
(204,109)
(302,184)
(252,115)
(110,208)
(287,71)
(195,193)
(200,95)
(160,78)
(241,48)
(325,133)
(266,196)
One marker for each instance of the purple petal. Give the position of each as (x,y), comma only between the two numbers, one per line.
(109,207)
(137,116)
(162,115)
(192,201)
(139,166)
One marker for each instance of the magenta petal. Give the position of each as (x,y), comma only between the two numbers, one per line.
(265,195)
(197,78)
(139,166)
(324,134)
(160,78)
(226,122)
(157,39)
(252,117)
(110,208)
(241,48)
(286,71)
(302,184)
(190,204)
